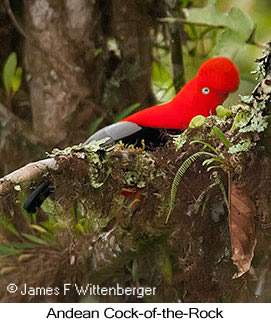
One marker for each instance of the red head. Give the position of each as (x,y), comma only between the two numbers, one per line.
(216,78)
(219,74)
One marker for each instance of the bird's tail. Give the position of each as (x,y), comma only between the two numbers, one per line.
(37,197)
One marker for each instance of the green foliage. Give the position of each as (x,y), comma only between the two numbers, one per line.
(162,83)
(98,51)
(220,135)
(6,224)
(8,251)
(222,112)
(17,79)
(223,191)
(34,239)
(241,118)
(12,75)
(203,198)
(228,44)
(179,175)
(49,207)
(186,3)
(9,71)
(237,27)
(197,121)
(213,160)
(207,15)
(41,236)
(205,145)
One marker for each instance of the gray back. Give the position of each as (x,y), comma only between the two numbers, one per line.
(115,132)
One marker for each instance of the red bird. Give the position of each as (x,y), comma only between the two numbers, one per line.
(216,78)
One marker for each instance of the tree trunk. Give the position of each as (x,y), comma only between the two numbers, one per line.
(64,72)
(68,63)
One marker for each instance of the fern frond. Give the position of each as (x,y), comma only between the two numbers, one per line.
(223,191)
(180,173)
(203,195)
(214,167)
(205,204)
(205,145)
(212,160)
(206,192)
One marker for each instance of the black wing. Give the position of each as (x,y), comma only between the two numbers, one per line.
(130,133)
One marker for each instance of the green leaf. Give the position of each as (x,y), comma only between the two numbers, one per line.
(236,20)
(241,23)
(50,225)
(207,15)
(8,225)
(17,79)
(79,228)
(241,119)
(21,198)
(50,207)
(205,145)
(95,124)
(126,112)
(220,135)
(98,51)
(222,112)
(7,251)
(34,238)
(22,246)
(38,228)
(197,121)
(239,27)
(9,71)
(162,83)
(229,42)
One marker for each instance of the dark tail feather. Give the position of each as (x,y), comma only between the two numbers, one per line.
(37,197)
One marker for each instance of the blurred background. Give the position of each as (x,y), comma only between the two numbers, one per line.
(69,67)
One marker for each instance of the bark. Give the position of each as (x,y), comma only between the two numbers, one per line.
(73,76)
(64,71)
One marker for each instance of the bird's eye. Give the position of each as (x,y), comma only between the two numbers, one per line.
(205,90)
